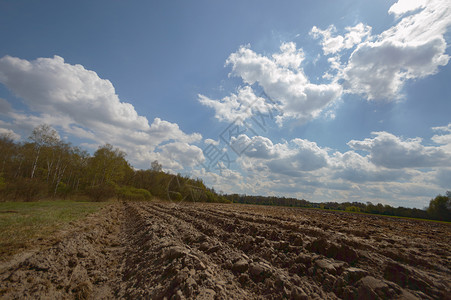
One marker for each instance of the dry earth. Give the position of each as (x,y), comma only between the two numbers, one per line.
(157,250)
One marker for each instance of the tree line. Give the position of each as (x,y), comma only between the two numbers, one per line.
(439,207)
(45,166)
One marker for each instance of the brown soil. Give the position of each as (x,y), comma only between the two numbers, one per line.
(158,250)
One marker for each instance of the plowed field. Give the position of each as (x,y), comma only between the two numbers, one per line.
(157,250)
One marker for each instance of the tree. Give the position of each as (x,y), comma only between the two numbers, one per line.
(440,207)
(63,154)
(155,166)
(7,150)
(42,135)
(352,208)
(108,165)
(80,161)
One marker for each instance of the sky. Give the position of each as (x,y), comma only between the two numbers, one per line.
(320,100)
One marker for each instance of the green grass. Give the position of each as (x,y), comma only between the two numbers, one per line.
(21,223)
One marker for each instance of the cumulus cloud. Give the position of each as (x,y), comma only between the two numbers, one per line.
(211,142)
(443,136)
(405,6)
(393,152)
(378,168)
(444,178)
(379,65)
(289,57)
(356,168)
(283,80)
(161,130)
(82,104)
(302,158)
(379,70)
(291,159)
(333,44)
(183,153)
(384,168)
(228,180)
(9,133)
(413,48)
(375,66)
(242,105)
(260,147)
(51,85)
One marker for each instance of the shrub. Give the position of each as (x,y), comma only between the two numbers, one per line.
(2,183)
(131,193)
(175,196)
(25,189)
(352,209)
(101,192)
(63,190)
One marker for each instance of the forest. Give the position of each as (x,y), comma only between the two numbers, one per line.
(44,166)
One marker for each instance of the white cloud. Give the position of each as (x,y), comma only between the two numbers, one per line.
(379,70)
(443,137)
(444,178)
(333,44)
(242,105)
(380,64)
(260,147)
(227,181)
(392,152)
(51,85)
(359,169)
(84,105)
(413,48)
(376,66)
(405,6)
(187,155)
(443,128)
(211,142)
(291,159)
(376,169)
(284,81)
(385,168)
(9,133)
(289,57)
(161,131)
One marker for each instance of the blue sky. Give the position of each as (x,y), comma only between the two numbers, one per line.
(322,100)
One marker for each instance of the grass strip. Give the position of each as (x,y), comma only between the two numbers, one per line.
(21,223)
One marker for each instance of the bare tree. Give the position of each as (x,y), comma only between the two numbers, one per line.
(155,166)
(42,135)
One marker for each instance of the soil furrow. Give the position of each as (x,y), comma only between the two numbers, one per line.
(275,283)
(160,250)
(277,245)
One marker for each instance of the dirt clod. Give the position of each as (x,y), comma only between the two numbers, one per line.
(240,266)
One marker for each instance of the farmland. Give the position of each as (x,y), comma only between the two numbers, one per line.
(221,251)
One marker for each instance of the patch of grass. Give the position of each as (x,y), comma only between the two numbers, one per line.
(21,223)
